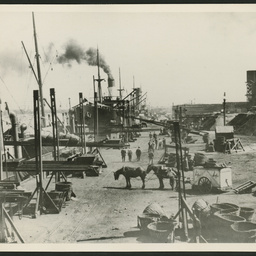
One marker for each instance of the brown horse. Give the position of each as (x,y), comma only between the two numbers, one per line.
(161,174)
(131,172)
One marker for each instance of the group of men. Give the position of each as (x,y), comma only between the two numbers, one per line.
(130,153)
(154,143)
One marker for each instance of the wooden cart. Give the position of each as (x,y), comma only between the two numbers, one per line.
(207,179)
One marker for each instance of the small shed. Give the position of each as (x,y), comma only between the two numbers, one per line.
(224,131)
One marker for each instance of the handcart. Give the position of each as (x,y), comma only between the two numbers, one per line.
(207,179)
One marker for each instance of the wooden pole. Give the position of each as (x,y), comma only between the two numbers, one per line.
(41,193)
(95,111)
(99,80)
(38,150)
(13,226)
(120,85)
(224,109)
(39,74)
(56,148)
(180,181)
(82,121)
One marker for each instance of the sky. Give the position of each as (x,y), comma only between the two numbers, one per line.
(177,54)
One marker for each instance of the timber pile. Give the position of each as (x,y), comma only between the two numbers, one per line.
(57,166)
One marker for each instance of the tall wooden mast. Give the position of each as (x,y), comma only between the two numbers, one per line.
(120,85)
(99,80)
(40,84)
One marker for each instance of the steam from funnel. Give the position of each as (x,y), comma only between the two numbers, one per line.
(111,84)
(74,52)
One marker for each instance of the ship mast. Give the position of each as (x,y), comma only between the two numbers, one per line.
(99,80)
(40,84)
(120,86)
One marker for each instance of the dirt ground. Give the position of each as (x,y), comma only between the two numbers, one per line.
(104,211)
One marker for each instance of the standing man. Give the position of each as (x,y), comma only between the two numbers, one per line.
(155,139)
(151,145)
(150,156)
(164,142)
(138,153)
(130,154)
(123,154)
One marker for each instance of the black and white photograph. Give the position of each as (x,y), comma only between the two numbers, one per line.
(128,127)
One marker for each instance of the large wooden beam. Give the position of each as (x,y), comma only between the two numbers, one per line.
(67,143)
(52,166)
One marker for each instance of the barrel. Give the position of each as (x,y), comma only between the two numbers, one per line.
(65,187)
(247,213)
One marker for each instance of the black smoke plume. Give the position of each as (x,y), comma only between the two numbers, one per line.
(74,52)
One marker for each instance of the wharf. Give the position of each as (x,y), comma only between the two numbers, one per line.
(105,212)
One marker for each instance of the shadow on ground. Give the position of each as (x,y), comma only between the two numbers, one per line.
(137,188)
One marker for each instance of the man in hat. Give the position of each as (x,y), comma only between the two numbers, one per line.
(123,154)
(130,154)
(150,156)
(138,153)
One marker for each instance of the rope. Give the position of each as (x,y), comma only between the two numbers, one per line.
(11,95)
(50,65)
(28,82)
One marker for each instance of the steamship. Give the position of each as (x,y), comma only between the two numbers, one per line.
(106,112)
(99,116)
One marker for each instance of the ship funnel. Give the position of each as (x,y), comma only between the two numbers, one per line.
(138,98)
(111,84)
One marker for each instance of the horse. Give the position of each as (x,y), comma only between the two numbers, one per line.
(131,172)
(161,174)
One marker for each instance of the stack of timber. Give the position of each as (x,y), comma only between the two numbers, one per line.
(67,167)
